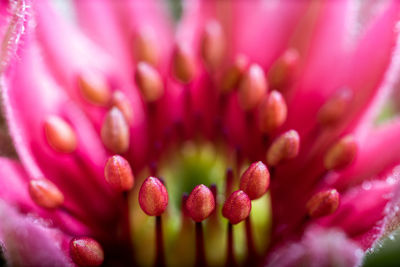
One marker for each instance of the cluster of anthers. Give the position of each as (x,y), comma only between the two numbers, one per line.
(265,112)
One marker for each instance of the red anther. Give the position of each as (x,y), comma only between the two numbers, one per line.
(237,207)
(341,154)
(334,109)
(200,203)
(118,173)
(120,101)
(323,203)
(60,135)
(213,45)
(149,82)
(252,88)
(145,46)
(94,88)
(285,147)
(153,197)
(86,251)
(273,112)
(183,64)
(281,73)
(45,194)
(255,180)
(115,131)
(234,74)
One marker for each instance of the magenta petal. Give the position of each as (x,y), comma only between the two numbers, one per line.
(318,247)
(27,242)
(30,95)
(362,209)
(269,25)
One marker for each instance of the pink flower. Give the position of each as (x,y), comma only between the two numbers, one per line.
(264,111)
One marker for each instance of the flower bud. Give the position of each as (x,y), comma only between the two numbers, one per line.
(45,194)
(115,131)
(234,74)
(281,73)
(94,88)
(86,251)
(273,112)
(252,88)
(120,101)
(237,207)
(213,45)
(183,64)
(200,203)
(285,147)
(341,154)
(323,203)
(60,135)
(153,197)
(118,173)
(255,180)
(149,82)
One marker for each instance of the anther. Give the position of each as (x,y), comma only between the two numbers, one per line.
(183,64)
(149,82)
(273,112)
(213,45)
(341,154)
(237,207)
(60,135)
(234,74)
(94,88)
(120,101)
(45,194)
(153,197)
(285,147)
(255,180)
(323,203)
(115,131)
(86,251)
(281,73)
(145,48)
(200,203)
(334,109)
(252,88)
(118,173)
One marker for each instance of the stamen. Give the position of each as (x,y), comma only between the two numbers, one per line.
(341,154)
(273,112)
(230,257)
(237,207)
(45,194)
(60,135)
(200,203)
(234,74)
(255,180)
(200,251)
(334,109)
(228,182)
(323,203)
(153,197)
(145,48)
(115,131)
(183,64)
(160,257)
(149,82)
(281,73)
(118,173)
(94,88)
(213,45)
(86,251)
(120,101)
(285,147)
(252,88)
